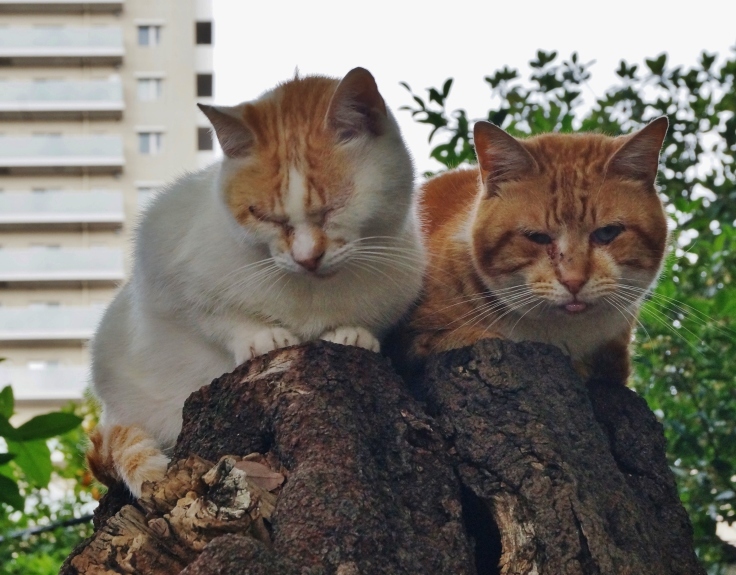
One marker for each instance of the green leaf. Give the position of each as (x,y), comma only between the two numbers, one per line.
(446,87)
(7,402)
(47,425)
(5,457)
(10,494)
(657,65)
(34,458)
(6,429)
(435,96)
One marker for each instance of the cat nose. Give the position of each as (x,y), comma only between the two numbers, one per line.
(573,285)
(310,263)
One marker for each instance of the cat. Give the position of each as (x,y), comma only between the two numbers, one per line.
(554,238)
(305,230)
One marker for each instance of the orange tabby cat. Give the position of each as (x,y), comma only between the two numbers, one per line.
(546,241)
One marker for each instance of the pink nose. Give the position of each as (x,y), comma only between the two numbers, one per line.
(573,285)
(310,264)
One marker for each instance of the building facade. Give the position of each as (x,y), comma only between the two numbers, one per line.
(97,110)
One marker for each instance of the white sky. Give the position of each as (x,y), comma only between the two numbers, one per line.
(258,44)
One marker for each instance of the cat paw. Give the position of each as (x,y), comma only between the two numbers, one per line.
(264,341)
(152,468)
(356,336)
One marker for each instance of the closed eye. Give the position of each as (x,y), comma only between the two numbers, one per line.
(319,216)
(270,218)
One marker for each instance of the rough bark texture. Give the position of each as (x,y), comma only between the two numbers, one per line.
(513,462)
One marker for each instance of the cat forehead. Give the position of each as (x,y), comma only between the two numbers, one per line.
(570,183)
(569,158)
(298,105)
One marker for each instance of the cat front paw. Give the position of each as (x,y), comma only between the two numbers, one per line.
(356,336)
(264,341)
(152,468)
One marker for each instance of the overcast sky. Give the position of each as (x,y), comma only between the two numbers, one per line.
(258,44)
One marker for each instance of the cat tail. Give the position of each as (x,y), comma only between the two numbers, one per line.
(125,453)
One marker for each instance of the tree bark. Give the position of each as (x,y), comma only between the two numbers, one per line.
(510,464)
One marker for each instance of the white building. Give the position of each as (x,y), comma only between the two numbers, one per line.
(97,109)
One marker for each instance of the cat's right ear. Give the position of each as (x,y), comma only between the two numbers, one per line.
(236,139)
(356,107)
(500,156)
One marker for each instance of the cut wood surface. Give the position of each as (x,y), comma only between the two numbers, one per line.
(511,465)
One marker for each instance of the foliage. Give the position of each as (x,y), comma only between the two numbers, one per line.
(43,481)
(685,365)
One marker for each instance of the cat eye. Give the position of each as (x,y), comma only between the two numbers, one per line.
(606,234)
(319,216)
(263,217)
(539,238)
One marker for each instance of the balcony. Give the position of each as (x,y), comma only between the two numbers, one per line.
(61,46)
(61,100)
(59,6)
(33,155)
(63,383)
(32,211)
(48,325)
(61,267)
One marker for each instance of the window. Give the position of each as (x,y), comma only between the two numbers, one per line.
(149,89)
(42,364)
(43,304)
(204,139)
(149,35)
(204,32)
(204,85)
(150,143)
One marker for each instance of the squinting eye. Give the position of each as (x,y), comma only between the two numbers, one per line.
(538,238)
(259,215)
(606,234)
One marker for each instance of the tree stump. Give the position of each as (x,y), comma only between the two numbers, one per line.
(510,465)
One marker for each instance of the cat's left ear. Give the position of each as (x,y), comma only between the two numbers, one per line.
(356,107)
(501,157)
(638,158)
(236,139)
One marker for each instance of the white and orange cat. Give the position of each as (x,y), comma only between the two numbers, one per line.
(554,239)
(304,230)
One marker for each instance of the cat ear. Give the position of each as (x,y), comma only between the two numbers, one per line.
(638,158)
(236,139)
(500,156)
(356,107)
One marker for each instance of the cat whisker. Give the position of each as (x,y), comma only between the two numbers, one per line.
(366,266)
(246,267)
(518,306)
(255,281)
(616,301)
(659,317)
(409,264)
(388,261)
(476,297)
(481,315)
(522,316)
(492,306)
(682,309)
(491,293)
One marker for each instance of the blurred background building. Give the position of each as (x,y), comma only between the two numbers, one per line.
(97,110)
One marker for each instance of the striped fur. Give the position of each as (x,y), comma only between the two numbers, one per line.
(492,272)
(125,453)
